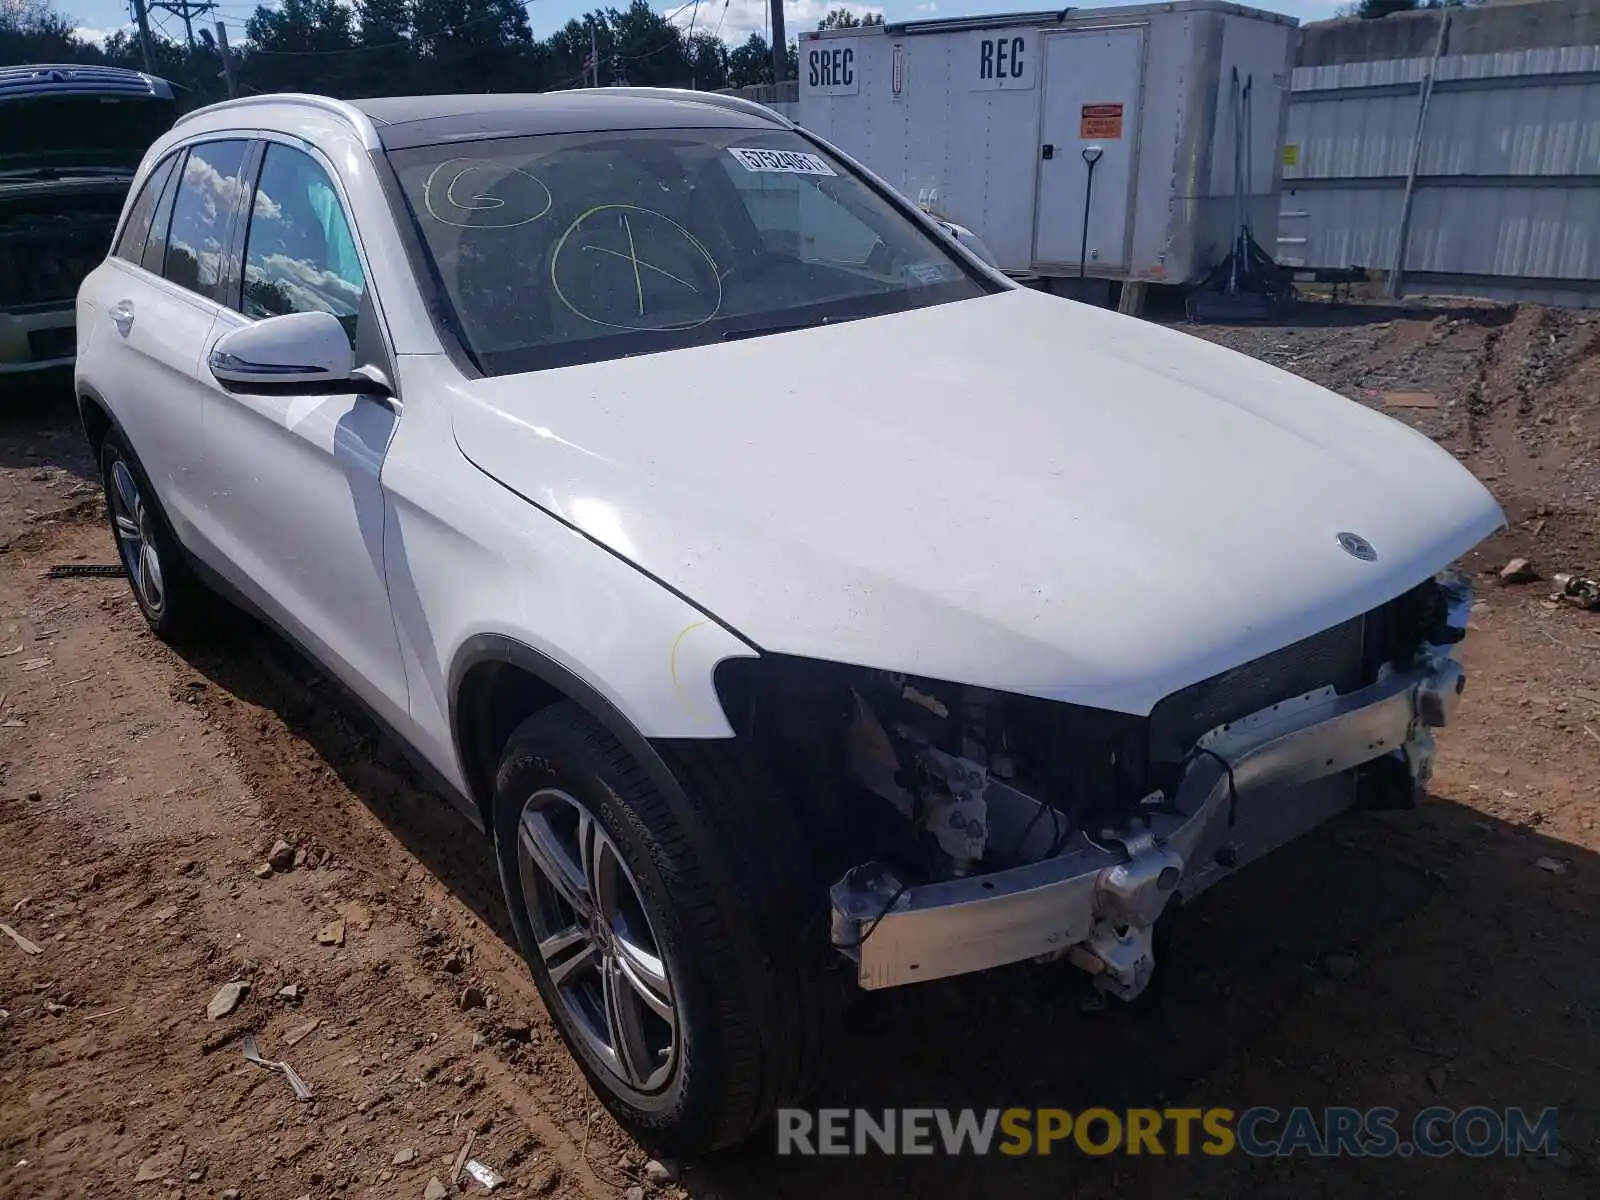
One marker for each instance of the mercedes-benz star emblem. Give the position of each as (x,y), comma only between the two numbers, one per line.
(1357,546)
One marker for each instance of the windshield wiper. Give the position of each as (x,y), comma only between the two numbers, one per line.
(735,335)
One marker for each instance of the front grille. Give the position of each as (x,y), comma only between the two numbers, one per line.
(45,344)
(1333,656)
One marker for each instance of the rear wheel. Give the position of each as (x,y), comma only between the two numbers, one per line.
(172,599)
(679,941)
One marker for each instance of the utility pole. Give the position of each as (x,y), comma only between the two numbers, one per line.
(780,45)
(594,56)
(184,10)
(141,16)
(227,60)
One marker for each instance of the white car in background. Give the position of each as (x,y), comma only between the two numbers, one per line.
(796,601)
(71,137)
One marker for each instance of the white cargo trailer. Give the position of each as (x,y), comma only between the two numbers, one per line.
(991,123)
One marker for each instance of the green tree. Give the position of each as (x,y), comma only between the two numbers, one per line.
(843,18)
(304,45)
(1377,9)
(472,45)
(708,62)
(565,51)
(303,27)
(1373,9)
(394,47)
(647,49)
(33,31)
(384,22)
(750,63)
(387,62)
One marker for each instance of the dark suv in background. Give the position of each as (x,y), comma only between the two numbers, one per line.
(71,138)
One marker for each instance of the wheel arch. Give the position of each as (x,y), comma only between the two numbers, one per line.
(95,415)
(496,682)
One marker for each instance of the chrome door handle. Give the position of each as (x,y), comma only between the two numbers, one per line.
(122,316)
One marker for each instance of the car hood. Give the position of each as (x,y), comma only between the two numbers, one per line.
(1017,492)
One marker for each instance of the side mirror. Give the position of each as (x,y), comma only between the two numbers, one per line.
(306,351)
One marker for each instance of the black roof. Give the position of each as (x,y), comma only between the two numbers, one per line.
(404,121)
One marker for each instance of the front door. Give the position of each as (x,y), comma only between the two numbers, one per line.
(295,500)
(1091,111)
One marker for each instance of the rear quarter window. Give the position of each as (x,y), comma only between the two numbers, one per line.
(131,242)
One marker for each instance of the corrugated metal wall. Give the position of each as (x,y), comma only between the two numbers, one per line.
(1499,198)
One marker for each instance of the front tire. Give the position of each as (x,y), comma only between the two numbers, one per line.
(171,598)
(677,935)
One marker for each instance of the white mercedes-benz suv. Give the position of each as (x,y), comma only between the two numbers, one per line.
(797,602)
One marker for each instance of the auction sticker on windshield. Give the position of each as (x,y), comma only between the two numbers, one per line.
(791,162)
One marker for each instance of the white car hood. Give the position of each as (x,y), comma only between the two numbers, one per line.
(1017,492)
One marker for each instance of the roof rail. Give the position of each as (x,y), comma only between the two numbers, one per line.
(348,113)
(711,99)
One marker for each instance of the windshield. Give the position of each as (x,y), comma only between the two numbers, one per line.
(566,248)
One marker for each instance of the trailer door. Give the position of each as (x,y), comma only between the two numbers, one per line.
(1092,90)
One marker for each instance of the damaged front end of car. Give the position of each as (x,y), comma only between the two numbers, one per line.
(970,828)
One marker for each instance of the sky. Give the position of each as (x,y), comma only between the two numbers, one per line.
(736,18)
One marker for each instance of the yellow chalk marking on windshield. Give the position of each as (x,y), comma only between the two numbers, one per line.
(633,257)
(689,238)
(648,266)
(483,202)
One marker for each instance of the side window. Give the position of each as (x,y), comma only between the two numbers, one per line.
(130,245)
(208,194)
(299,255)
(155,246)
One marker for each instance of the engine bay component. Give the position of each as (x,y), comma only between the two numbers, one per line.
(1101,898)
(969,828)
(49,243)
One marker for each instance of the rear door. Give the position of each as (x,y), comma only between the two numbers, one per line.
(1091,104)
(152,308)
(292,482)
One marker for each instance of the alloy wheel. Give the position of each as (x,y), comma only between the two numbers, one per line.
(595,939)
(135,538)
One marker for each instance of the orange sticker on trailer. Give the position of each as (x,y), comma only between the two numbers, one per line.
(1100,121)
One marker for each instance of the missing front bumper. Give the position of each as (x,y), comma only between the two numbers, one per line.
(1098,901)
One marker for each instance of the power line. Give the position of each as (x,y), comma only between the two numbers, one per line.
(186,11)
(669,42)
